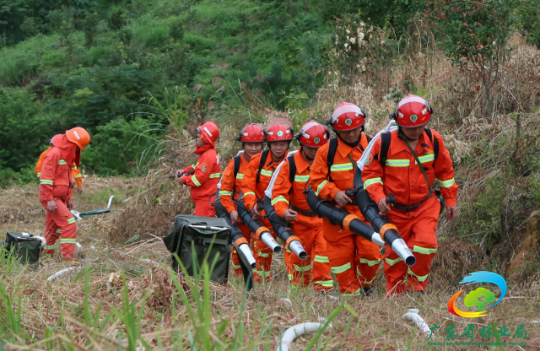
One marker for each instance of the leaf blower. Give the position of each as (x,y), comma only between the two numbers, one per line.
(261,232)
(280,225)
(236,234)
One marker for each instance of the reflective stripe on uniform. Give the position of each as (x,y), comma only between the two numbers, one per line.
(424,250)
(356,293)
(265,172)
(78,176)
(447,183)
(397,163)
(321,259)
(370,263)
(49,247)
(301,178)
(371,182)
(291,276)
(240,176)
(74,167)
(341,269)
(235,266)
(326,283)
(366,282)
(46,182)
(425,158)
(62,162)
(71,220)
(215,175)
(223,192)
(421,279)
(195,181)
(262,273)
(320,187)
(302,268)
(278,199)
(393,262)
(263,254)
(68,241)
(59,231)
(39,174)
(249,193)
(341,167)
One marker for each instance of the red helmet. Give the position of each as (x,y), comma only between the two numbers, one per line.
(347,117)
(279,132)
(252,133)
(412,112)
(78,136)
(313,135)
(209,132)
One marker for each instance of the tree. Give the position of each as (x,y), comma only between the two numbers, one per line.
(474,35)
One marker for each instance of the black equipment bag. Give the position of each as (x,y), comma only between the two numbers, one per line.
(197,240)
(25,247)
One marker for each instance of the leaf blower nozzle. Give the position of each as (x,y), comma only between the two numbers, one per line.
(380,222)
(261,232)
(236,234)
(280,225)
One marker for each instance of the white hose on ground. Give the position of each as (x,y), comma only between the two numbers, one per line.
(60,273)
(79,245)
(414,317)
(293,332)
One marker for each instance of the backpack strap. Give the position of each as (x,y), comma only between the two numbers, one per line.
(332,148)
(434,141)
(292,168)
(237,161)
(264,156)
(385,146)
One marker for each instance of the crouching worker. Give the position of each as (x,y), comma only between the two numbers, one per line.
(55,183)
(252,138)
(286,191)
(203,177)
(353,259)
(405,163)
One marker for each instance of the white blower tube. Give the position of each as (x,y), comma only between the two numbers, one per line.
(400,247)
(247,253)
(296,247)
(267,238)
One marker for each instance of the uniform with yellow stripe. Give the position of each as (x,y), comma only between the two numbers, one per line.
(203,178)
(55,183)
(353,260)
(316,268)
(230,184)
(253,191)
(403,178)
(75,171)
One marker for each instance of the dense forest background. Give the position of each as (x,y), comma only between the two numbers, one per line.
(127,69)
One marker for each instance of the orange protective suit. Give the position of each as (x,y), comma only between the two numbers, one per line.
(252,192)
(75,171)
(230,185)
(203,178)
(55,184)
(353,259)
(307,227)
(403,178)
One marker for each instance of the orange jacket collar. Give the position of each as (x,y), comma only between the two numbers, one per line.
(66,148)
(300,162)
(345,149)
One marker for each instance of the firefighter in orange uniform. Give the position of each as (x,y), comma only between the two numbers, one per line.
(75,172)
(416,209)
(288,199)
(256,179)
(203,177)
(354,260)
(55,183)
(252,138)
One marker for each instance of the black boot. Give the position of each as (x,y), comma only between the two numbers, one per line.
(368,291)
